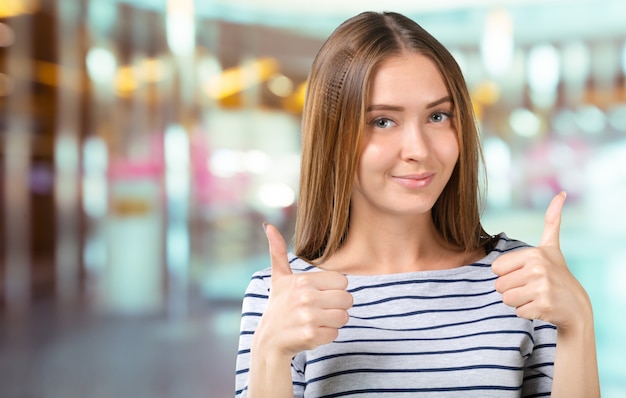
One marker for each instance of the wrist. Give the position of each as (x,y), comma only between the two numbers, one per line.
(263,347)
(582,324)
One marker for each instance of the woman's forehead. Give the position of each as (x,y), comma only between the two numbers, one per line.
(409,76)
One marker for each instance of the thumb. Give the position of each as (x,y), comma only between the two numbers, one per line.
(278,252)
(552,226)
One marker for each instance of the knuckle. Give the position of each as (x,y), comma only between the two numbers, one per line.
(543,292)
(337,279)
(306,298)
(333,334)
(537,271)
(543,288)
(300,281)
(349,300)
(498,285)
(344,300)
(523,313)
(307,317)
(545,305)
(506,297)
(309,337)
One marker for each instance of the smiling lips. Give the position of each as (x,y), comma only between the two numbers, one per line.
(414,181)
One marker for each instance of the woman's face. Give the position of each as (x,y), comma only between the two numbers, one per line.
(410,145)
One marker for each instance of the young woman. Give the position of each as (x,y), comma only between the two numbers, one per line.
(395,288)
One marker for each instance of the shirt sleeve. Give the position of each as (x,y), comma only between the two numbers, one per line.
(253,306)
(539,365)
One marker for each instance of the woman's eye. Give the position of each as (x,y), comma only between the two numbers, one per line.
(382,123)
(439,117)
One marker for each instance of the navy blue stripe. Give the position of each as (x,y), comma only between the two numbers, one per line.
(543,394)
(254,295)
(480,265)
(308,266)
(420,281)
(240,352)
(447,296)
(435,338)
(535,376)
(546,326)
(421,370)
(420,390)
(539,346)
(257,314)
(398,354)
(445,325)
(541,365)
(510,249)
(420,312)
(412,281)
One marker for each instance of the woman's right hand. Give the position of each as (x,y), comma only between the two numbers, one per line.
(304,310)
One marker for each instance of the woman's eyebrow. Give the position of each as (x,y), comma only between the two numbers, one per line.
(384,107)
(439,101)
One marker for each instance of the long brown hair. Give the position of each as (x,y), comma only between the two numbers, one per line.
(333,123)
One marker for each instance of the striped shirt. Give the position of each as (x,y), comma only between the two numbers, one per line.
(430,333)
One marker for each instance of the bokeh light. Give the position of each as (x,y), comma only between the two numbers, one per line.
(162,133)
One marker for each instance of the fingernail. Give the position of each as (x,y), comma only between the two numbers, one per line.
(265,227)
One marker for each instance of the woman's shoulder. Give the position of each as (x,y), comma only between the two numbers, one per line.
(296,263)
(504,243)
(501,244)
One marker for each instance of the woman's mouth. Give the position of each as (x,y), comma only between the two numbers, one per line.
(414,181)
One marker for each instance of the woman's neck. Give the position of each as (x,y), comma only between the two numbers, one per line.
(395,245)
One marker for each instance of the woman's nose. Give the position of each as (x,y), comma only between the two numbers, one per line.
(415,144)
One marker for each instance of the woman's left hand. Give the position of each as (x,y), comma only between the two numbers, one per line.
(537,282)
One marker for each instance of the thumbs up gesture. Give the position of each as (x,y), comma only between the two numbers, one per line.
(304,310)
(537,282)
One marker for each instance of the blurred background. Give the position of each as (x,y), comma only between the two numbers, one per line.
(143,142)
